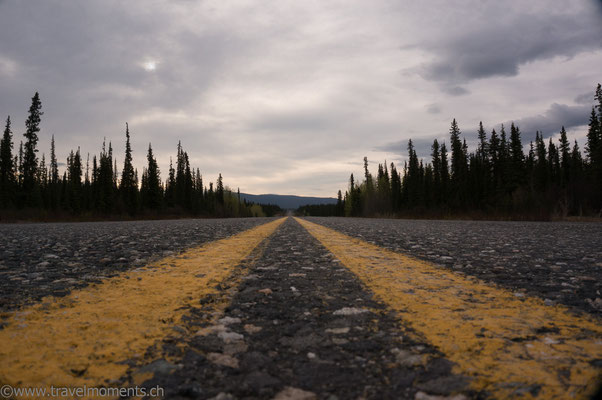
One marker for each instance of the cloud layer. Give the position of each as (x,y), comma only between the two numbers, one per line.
(287,97)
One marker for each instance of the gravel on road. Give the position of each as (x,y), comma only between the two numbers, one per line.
(38,260)
(560,262)
(302,326)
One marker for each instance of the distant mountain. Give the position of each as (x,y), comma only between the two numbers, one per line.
(287,201)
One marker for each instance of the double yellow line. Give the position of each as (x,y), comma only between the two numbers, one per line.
(505,344)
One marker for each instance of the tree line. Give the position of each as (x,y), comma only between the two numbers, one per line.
(33,187)
(496,180)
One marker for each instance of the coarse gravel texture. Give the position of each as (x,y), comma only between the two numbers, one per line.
(302,326)
(560,262)
(38,260)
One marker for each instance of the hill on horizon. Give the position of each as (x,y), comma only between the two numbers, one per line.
(290,202)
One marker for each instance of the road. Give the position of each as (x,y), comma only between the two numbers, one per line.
(325,308)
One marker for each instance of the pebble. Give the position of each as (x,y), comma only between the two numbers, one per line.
(406,358)
(223,359)
(250,328)
(350,311)
(292,393)
(229,337)
(338,331)
(229,320)
(424,396)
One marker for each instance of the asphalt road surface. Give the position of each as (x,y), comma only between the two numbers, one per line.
(316,308)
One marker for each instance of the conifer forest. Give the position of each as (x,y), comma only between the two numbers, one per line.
(553,179)
(97,187)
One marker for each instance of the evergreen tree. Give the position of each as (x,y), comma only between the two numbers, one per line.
(30,159)
(219,190)
(153,182)
(170,186)
(128,186)
(516,162)
(445,181)
(436,163)
(105,193)
(74,181)
(340,205)
(459,166)
(7,172)
(565,158)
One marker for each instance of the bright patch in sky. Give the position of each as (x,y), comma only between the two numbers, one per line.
(150,65)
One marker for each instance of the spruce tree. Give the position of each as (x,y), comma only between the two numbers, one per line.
(7,172)
(516,162)
(219,190)
(565,158)
(444,173)
(30,159)
(153,180)
(170,186)
(436,163)
(128,186)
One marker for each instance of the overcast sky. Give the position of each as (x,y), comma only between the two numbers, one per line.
(288,96)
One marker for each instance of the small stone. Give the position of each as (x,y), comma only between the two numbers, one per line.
(229,320)
(549,340)
(424,396)
(265,291)
(105,260)
(311,355)
(292,393)
(43,264)
(223,359)
(235,348)
(519,294)
(51,256)
(340,341)
(293,275)
(210,329)
(350,311)
(338,331)
(230,337)
(294,289)
(223,396)
(548,302)
(407,359)
(158,367)
(250,328)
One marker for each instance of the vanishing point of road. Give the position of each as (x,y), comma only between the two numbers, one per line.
(304,308)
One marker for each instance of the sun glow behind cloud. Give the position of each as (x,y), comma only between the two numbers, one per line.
(150,65)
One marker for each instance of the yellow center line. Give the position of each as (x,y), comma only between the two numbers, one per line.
(85,337)
(504,343)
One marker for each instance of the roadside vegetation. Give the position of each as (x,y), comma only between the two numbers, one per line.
(31,187)
(497,180)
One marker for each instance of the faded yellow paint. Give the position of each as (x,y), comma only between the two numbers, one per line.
(85,337)
(504,343)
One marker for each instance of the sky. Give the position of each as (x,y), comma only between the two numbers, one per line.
(287,97)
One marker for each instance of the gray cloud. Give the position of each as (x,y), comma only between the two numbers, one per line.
(433,108)
(455,90)
(551,121)
(585,98)
(422,145)
(499,46)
